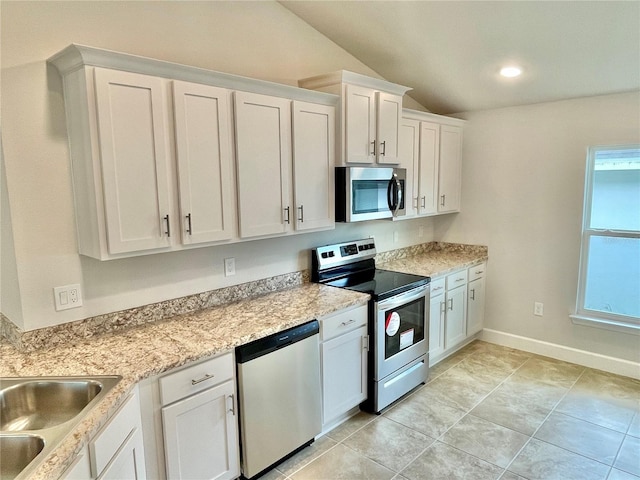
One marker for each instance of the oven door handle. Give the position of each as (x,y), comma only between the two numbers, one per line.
(403,298)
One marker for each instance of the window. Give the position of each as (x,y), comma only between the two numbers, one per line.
(609,283)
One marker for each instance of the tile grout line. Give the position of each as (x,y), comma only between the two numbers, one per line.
(468,412)
(543,422)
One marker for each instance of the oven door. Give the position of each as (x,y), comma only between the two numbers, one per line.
(401,330)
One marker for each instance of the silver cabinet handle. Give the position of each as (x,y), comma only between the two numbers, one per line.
(478,272)
(423,202)
(348,322)
(415,202)
(473,293)
(374,148)
(437,289)
(451,304)
(287,219)
(301,208)
(442,307)
(384,148)
(189,231)
(168,230)
(442,197)
(200,380)
(365,342)
(231,408)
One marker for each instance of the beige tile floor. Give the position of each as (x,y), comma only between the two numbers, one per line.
(489,412)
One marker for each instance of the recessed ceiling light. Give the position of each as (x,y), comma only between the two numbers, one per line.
(510,72)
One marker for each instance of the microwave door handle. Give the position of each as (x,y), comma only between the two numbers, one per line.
(396,187)
(392,198)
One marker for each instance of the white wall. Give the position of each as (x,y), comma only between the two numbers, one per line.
(523,183)
(255,39)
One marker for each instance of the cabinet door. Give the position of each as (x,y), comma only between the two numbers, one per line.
(128,462)
(360,124)
(344,373)
(475,306)
(313,165)
(205,168)
(132,113)
(450,169)
(201,435)
(436,326)
(389,113)
(409,149)
(429,154)
(456,316)
(263,155)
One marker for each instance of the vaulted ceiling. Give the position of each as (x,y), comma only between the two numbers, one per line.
(450,52)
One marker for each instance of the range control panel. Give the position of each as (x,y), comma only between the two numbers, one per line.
(343,253)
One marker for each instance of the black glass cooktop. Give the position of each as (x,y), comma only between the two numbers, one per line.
(380,284)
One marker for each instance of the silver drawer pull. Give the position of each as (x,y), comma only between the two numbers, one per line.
(349,322)
(200,380)
(460,279)
(478,272)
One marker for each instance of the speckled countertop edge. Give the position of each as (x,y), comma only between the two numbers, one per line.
(154,348)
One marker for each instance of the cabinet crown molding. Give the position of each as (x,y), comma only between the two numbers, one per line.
(76,56)
(431,117)
(344,76)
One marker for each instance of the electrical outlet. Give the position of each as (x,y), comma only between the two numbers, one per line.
(67,296)
(538,309)
(229,266)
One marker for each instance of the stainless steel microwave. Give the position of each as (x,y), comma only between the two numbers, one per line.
(368,193)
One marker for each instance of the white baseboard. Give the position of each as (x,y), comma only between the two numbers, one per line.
(560,352)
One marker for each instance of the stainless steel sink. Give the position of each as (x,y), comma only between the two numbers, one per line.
(37,412)
(38,404)
(17,451)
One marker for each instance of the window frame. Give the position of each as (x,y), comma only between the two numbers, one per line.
(582,315)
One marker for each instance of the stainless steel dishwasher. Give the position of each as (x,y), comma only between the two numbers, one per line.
(279,396)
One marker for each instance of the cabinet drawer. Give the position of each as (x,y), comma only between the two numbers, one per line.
(437,286)
(343,322)
(477,271)
(456,279)
(114,434)
(195,378)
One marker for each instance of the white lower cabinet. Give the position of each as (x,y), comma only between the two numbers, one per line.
(344,350)
(456,311)
(475,302)
(117,450)
(190,422)
(456,308)
(436,319)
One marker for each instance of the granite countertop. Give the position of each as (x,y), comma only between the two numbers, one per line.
(157,347)
(153,348)
(437,261)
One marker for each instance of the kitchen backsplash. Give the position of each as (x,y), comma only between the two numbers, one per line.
(88,327)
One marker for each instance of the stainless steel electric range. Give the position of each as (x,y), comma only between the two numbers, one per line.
(398,317)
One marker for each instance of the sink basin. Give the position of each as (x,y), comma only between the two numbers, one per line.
(34,405)
(36,413)
(16,452)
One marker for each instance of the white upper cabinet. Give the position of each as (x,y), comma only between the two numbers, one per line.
(285,156)
(263,154)
(154,168)
(434,168)
(428,168)
(389,114)
(131,120)
(450,169)
(371,111)
(313,165)
(205,162)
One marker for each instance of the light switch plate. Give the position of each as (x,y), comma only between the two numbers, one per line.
(67,296)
